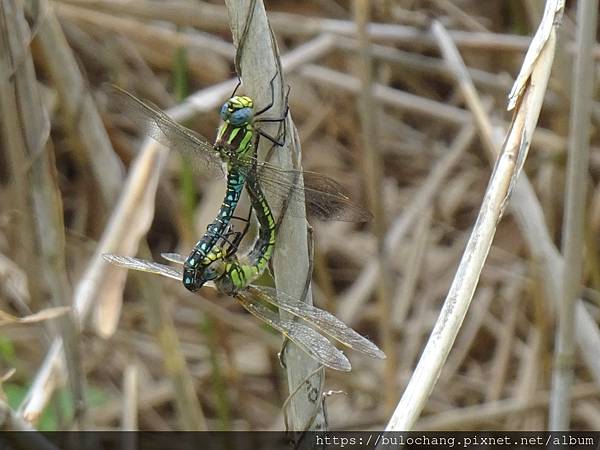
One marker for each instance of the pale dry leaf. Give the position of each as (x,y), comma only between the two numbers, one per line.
(45,314)
(131,220)
(552,14)
(13,281)
(3,379)
(7,375)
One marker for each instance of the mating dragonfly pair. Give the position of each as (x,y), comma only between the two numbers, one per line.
(215,257)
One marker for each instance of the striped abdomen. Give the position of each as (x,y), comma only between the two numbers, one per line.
(234,143)
(240,273)
(196,262)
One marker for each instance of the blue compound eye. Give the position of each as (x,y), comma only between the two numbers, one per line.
(224,113)
(240,117)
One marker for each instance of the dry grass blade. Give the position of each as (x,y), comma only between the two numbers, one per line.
(500,186)
(129,420)
(575,214)
(388,96)
(288,24)
(79,108)
(13,283)
(545,32)
(358,293)
(45,314)
(6,376)
(490,413)
(11,421)
(131,218)
(373,171)
(259,61)
(43,189)
(528,212)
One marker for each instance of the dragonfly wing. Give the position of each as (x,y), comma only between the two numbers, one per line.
(324,197)
(159,126)
(325,321)
(173,257)
(144,266)
(311,342)
(322,190)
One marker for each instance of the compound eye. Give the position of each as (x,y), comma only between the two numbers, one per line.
(223,112)
(240,117)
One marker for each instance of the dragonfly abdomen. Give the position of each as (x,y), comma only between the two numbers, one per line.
(233,143)
(196,262)
(239,273)
(263,248)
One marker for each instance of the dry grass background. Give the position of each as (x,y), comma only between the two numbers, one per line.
(166,359)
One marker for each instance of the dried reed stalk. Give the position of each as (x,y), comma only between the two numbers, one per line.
(258,63)
(26,127)
(526,97)
(575,214)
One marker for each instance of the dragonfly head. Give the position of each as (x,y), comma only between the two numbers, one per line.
(238,110)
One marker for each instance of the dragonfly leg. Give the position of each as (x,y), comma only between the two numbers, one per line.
(237,86)
(276,141)
(281,133)
(239,235)
(275,119)
(232,239)
(311,261)
(225,236)
(233,243)
(270,105)
(246,227)
(281,353)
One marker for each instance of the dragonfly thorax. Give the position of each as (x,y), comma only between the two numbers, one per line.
(235,135)
(238,110)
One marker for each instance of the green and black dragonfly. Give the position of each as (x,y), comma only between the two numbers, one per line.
(235,146)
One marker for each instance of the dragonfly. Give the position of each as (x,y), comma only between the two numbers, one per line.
(233,275)
(235,145)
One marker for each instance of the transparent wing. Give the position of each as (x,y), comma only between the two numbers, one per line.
(311,342)
(325,198)
(144,266)
(325,321)
(306,338)
(173,257)
(159,126)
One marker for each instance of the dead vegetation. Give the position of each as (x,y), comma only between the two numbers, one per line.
(155,357)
